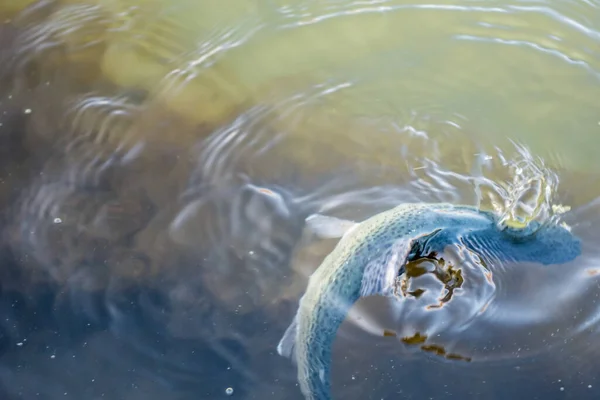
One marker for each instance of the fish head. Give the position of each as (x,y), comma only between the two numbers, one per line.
(544,243)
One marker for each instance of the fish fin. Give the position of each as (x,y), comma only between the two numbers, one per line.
(328,227)
(380,274)
(287,344)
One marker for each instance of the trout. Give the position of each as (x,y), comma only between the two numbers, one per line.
(371,255)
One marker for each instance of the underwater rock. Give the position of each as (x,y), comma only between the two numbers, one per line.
(157,50)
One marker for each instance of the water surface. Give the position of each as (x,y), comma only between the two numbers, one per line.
(158,160)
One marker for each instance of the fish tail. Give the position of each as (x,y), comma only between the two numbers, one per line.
(331,308)
(314,374)
(320,386)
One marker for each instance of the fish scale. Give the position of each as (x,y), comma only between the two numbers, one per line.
(371,254)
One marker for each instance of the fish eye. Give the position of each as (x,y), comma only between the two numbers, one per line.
(518,229)
(521,231)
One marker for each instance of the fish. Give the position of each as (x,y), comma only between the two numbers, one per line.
(371,255)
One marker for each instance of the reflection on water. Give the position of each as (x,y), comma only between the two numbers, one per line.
(158,161)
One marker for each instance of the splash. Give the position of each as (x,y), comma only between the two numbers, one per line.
(529,195)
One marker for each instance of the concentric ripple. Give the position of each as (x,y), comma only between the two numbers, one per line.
(500,303)
(173,150)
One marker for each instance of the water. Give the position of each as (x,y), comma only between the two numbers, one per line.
(159,160)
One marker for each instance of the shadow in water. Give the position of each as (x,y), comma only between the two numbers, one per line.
(87,345)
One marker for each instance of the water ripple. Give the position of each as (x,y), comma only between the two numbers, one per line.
(76,28)
(252,135)
(500,24)
(306,17)
(535,46)
(500,303)
(188,242)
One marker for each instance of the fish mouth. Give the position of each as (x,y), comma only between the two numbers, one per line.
(421,249)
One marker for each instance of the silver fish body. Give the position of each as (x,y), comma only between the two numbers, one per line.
(371,255)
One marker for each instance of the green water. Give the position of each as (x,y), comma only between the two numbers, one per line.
(526,70)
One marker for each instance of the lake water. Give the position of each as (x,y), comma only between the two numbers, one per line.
(159,158)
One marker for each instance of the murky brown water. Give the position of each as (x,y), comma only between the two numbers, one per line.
(158,160)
